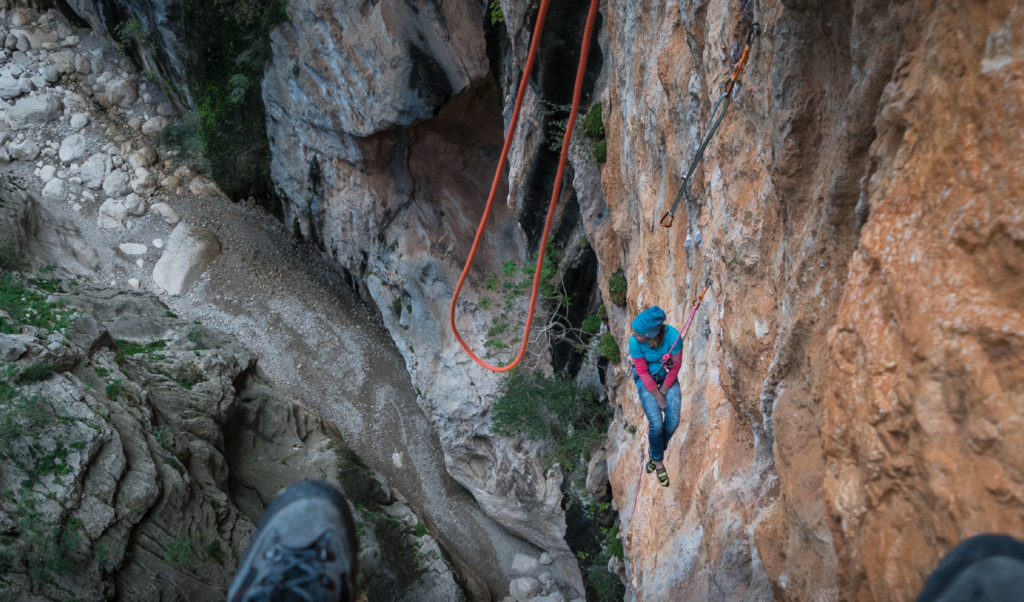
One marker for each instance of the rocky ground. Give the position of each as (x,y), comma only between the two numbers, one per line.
(78,129)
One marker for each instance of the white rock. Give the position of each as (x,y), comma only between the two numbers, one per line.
(132,248)
(35,111)
(50,74)
(47,173)
(38,82)
(83,65)
(5,156)
(9,88)
(169,215)
(524,588)
(204,186)
(95,169)
(24,151)
(79,121)
(158,243)
(545,559)
(133,282)
(555,596)
(141,263)
(117,183)
(121,92)
(20,17)
(136,205)
(88,195)
(112,215)
(165,109)
(77,206)
(144,185)
(154,126)
(55,190)
(118,160)
(25,84)
(190,251)
(525,565)
(70,41)
(72,149)
(135,123)
(144,157)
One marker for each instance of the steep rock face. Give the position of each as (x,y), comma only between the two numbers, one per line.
(846,392)
(386,127)
(922,406)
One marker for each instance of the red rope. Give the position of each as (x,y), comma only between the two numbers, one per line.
(577,94)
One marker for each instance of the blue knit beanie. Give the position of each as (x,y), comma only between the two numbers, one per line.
(649,322)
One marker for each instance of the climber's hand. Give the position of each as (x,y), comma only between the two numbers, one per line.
(660,398)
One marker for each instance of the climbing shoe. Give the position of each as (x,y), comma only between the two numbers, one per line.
(651,466)
(304,550)
(983,568)
(663,477)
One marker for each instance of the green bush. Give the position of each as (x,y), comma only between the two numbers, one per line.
(617,287)
(610,348)
(114,389)
(601,151)
(180,551)
(547,408)
(35,373)
(129,33)
(26,306)
(189,376)
(592,325)
(185,136)
(126,349)
(592,125)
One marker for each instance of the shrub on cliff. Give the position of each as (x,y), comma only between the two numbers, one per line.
(547,408)
(617,287)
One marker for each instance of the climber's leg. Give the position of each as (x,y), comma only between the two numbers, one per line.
(983,568)
(673,399)
(305,549)
(655,424)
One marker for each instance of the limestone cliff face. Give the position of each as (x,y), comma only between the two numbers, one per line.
(386,126)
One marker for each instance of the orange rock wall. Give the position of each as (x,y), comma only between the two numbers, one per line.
(852,384)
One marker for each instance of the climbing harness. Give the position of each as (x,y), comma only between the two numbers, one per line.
(716,119)
(577,94)
(682,334)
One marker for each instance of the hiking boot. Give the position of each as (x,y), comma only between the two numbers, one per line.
(304,550)
(983,568)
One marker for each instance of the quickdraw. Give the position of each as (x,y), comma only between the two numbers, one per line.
(716,120)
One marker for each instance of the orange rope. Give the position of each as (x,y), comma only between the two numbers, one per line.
(577,94)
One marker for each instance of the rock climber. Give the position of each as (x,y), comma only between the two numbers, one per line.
(657,352)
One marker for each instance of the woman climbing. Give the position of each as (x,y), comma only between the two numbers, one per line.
(657,352)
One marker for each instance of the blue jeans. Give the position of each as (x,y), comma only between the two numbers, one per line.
(660,429)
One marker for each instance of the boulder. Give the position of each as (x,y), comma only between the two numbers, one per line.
(79,121)
(154,126)
(132,248)
(82,65)
(144,184)
(204,186)
(9,88)
(12,347)
(55,190)
(47,173)
(165,211)
(135,205)
(50,74)
(35,111)
(25,151)
(117,183)
(524,588)
(165,109)
(5,155)
(545,559)
(172,183)
(134,282)
(121,92)
(112,215)
(95,170)
(144,157)
(72,149)
(525,565)
(190,251)
(20,17)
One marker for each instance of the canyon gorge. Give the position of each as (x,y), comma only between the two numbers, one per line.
(852,389)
